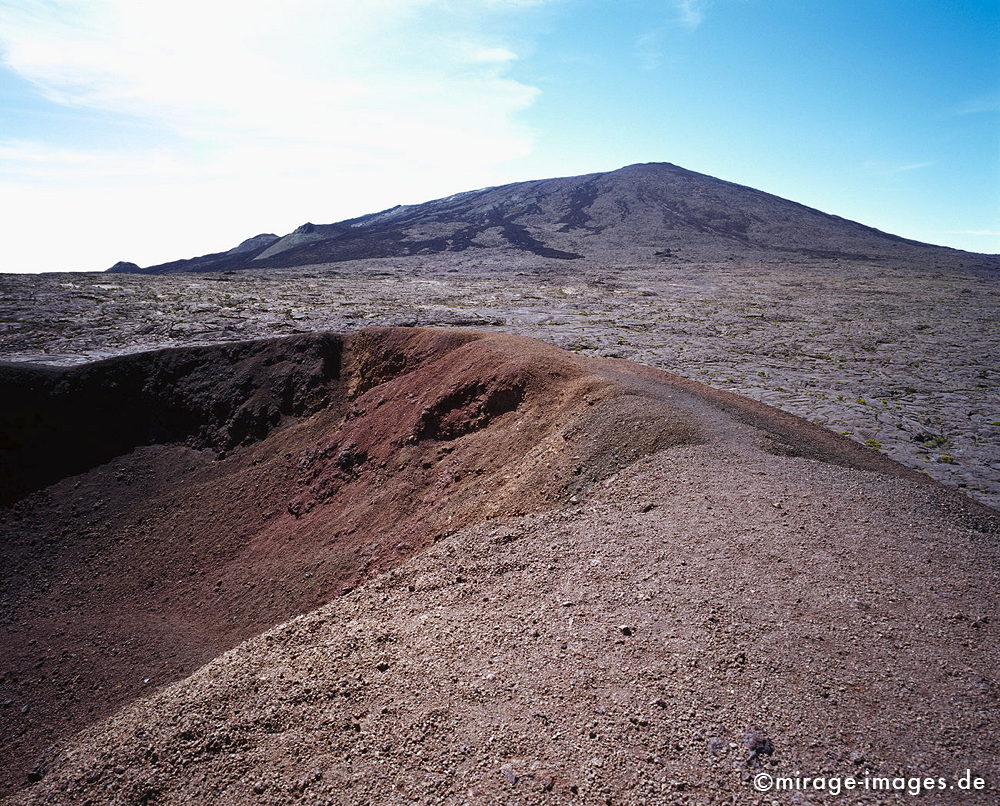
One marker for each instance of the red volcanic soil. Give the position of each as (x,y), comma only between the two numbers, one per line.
(221,490)
(167,506)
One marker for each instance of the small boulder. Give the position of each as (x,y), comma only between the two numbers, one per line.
(758,744)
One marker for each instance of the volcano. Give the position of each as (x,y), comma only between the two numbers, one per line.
(646,212)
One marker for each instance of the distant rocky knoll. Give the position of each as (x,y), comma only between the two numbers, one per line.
(641,212)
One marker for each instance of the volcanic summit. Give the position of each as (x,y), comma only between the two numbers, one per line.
(643,212)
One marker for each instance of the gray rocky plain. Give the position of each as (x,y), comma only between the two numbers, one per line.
(902,357)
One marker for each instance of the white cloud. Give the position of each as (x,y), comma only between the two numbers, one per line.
(650,45)
(690,13)
(494,55)
(312,109)
(649,49)
(881,168)
(982,103)
(911,166)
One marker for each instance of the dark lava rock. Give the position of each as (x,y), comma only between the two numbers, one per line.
(350,457)
(757,742)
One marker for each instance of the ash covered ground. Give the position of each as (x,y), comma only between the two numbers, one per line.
(900,357)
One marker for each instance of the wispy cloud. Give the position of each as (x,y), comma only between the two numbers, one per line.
(649,49)
(983,103)
(309,101)
(690,13)
(650,45)
(305,71)
(497,55)
(881,168)
(42,165)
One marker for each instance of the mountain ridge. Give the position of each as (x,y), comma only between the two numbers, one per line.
(644,211)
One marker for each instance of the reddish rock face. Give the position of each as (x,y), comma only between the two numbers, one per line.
(198,496)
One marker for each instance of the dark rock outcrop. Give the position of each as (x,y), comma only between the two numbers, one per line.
(124,267)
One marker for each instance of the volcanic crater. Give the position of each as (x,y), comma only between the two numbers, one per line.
(471,529)
(167,505)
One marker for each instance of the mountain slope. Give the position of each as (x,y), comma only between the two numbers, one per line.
(645,211)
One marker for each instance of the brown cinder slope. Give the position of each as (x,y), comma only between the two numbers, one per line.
(221,490)
(739,592)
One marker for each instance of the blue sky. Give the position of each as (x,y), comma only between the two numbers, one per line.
(158,130)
